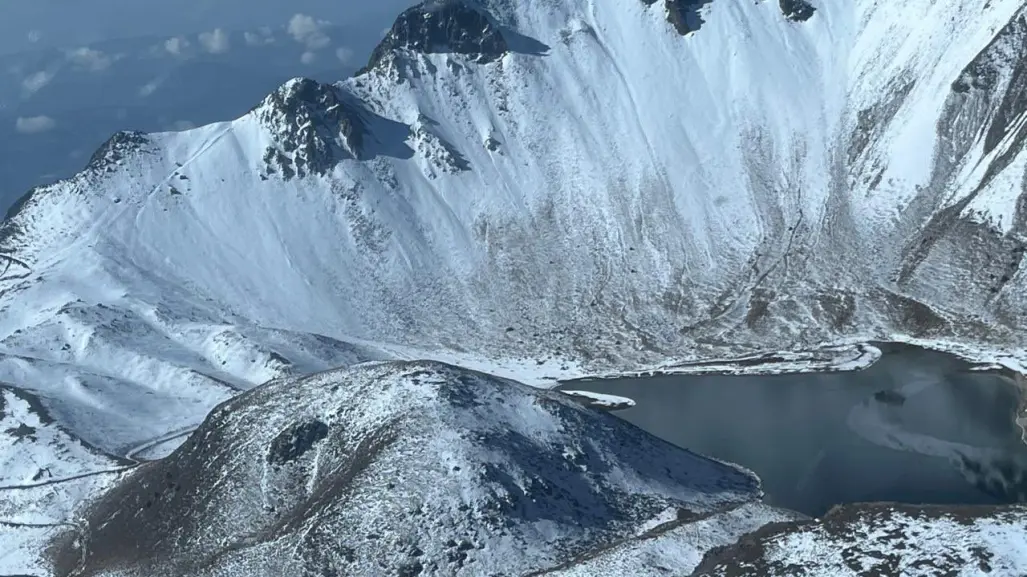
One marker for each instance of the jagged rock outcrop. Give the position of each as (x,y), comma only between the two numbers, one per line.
(116,149)
(797,10)
(312,129)
(453,26)
(982,116)
(685,15)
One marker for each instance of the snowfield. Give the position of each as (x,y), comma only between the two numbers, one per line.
(599,400)
(33,449)
(540,191)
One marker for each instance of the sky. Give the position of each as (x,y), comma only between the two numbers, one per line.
(33,24)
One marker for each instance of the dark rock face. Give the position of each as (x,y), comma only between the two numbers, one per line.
(1014,101)
(444,26)
(985,99)
(313,127)
(22,431)
(988,96)
(35,403)
(9,229)
(296,440)
(684,15)
(116,148)
(872,120)
(20,203)
(797,10)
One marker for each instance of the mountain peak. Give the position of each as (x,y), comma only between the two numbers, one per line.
(454,26)
(116,148)
(312,128)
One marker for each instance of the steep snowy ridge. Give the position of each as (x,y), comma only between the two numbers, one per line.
(766,150)
(571,183)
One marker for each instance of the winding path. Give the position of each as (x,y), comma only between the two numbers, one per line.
(60,480)
(685,517)
(129,454)
(156,441)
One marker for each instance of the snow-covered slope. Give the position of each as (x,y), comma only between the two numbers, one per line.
(671,548)
(408,468)
(32,448)
(594,177)
(883,540)
(542,189)
(560,179)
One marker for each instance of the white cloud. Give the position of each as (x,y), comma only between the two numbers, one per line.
(90,58)
(309,32)
(34,36)
(149,88)
(176,45)
(36,81)
(345,55)
(180,125)
(215,41)
(34,124)
(308,57)
(259,38)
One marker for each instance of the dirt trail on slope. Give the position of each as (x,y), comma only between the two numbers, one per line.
(64,479)
(684,517)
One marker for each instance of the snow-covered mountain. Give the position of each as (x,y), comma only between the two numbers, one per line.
(564,181)
(582,174)
(540,189)
(413,468)
(58,105)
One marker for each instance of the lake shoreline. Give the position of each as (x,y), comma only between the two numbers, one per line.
(832,359)
(885,403)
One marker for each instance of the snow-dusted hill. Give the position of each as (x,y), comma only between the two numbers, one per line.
(541,189)
(562,179)
(414,468)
